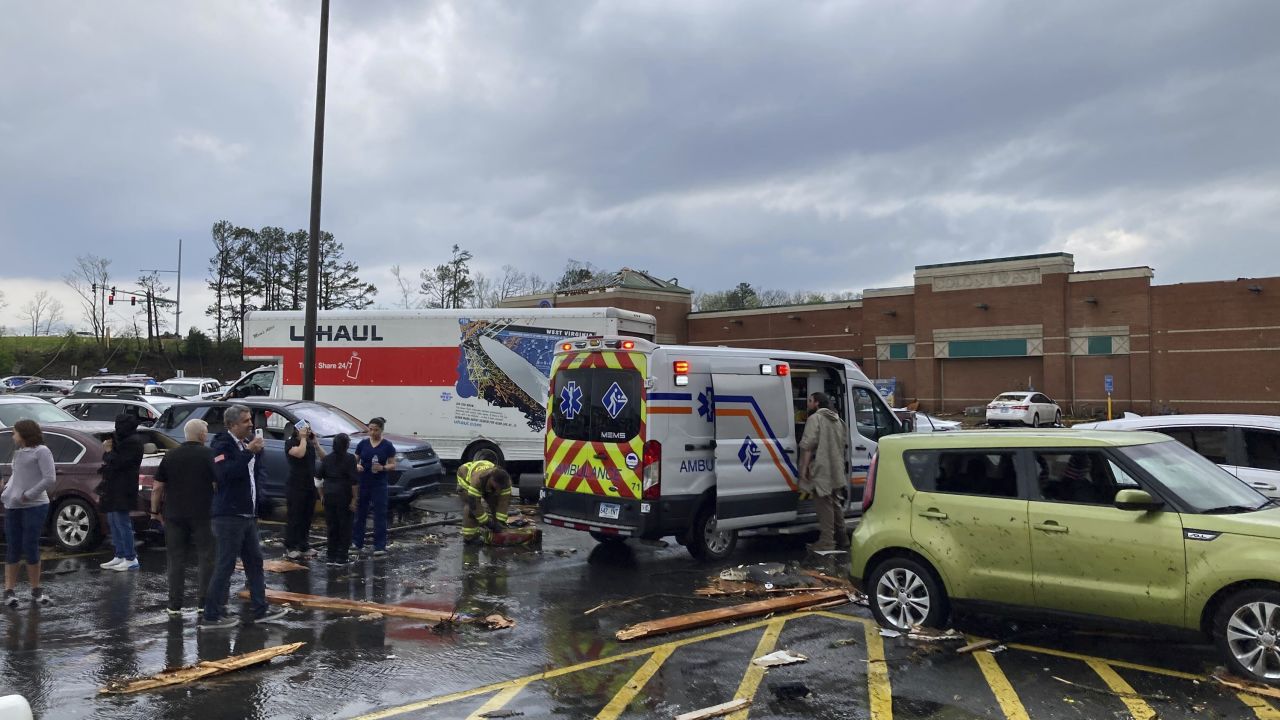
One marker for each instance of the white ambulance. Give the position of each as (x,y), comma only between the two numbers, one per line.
(472,382)
(699,443)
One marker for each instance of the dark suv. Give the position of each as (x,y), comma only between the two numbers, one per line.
(418,468)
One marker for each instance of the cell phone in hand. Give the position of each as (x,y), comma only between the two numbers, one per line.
(257,433)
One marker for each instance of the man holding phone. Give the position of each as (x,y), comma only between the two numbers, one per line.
(375,459)
(303,451)
(236,466)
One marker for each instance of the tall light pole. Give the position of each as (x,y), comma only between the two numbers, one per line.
(313,251)
(177,305)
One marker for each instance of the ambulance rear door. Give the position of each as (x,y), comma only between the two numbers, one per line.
(756,457)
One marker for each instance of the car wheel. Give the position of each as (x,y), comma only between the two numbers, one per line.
(75,526)
(1247,631)
(607,538)
(1035,420)
(906,593)
(706,541)
(1057,419)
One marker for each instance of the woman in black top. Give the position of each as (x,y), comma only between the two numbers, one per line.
(300,490)
(338,483)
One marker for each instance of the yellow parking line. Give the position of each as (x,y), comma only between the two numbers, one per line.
(1009,701)
(751,680)
(879,692)
(549,674)
(1260,707)
(1113,663)
(629,691)
(499,701)
(1138,707)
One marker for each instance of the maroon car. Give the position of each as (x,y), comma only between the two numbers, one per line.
(75,521)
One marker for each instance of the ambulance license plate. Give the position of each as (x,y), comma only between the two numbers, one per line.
(610,510)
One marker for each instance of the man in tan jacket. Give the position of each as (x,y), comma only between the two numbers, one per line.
(824,473)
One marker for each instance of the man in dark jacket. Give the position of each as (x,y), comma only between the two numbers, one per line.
(184,488)
(239,472)
(118,492)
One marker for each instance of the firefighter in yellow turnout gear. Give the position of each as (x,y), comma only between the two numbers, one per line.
(486,495)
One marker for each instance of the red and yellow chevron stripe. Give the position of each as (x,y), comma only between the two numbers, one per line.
(596,468)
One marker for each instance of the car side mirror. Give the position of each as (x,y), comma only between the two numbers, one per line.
(1140,500)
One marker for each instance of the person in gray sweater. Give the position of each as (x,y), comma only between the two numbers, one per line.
(26,505)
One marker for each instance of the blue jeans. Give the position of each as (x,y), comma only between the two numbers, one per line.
(22,528)
(235,537)
(373,494)
(121,526)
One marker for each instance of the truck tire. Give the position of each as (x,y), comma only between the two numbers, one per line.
(75,526)
(485,451)
(705,542)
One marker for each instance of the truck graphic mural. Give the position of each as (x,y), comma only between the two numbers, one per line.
(508,365)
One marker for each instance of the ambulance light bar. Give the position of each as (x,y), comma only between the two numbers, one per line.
(681,369)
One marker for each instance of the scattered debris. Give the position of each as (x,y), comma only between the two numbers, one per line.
(391,657)
(791,691)
(886,632)
(278,566)
(516,536)
(1243,685)
(279,597)
(925,634)
(1106,691)
(843,643)
(997,649)
(715,710)
(768,578)
(677,623)
(779,658)
(205,669)
(371,617)
(494,714)
(979,645)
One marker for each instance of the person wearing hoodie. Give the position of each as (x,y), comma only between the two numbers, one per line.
(824,472)
(118,491)
(26,505)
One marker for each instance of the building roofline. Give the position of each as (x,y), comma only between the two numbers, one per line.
(989,261)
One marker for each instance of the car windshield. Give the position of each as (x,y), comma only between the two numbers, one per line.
(1009,397)
(185,389)
(328,421)
(1200,484)
(41,412)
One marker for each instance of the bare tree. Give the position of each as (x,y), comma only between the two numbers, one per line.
(42,311)
(3,304)
(88,278)
(405,287)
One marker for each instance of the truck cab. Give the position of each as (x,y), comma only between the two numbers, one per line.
(696,443)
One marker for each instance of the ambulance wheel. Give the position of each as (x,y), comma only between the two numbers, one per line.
(485,451)
(706,542)
(607,538)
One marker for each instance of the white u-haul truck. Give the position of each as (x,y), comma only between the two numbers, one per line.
(472,382)
(699,443)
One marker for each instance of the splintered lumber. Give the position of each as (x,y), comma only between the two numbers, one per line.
(715,710)
(1243,685)
(319,602)
(678,623)
(279,566)
(208,668)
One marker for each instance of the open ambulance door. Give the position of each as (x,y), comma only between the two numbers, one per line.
(756,460)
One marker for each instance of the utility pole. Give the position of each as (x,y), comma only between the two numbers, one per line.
(177,314)
(313,250)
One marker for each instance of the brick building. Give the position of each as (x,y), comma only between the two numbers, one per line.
(964,332)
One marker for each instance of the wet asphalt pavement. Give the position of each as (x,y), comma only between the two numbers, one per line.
(109,626)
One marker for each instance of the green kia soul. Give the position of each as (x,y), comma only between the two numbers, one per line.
(1122,525)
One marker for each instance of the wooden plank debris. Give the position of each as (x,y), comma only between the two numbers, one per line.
(208,668)
(715,710)
(279,566)
(974,646)
(1243,685)
(789,603)
(319,602)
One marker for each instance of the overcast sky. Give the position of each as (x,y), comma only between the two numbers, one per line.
(827,145)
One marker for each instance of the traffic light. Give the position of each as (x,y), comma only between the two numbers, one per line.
(133,300)
(111,299)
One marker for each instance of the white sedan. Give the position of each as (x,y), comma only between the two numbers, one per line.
(1023,408)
